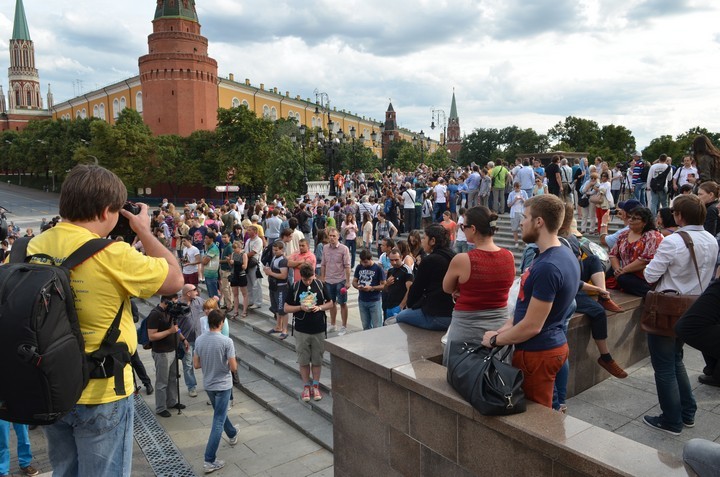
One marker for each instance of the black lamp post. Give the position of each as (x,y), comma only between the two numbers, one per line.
(301,131)
(418,141)
(437,114)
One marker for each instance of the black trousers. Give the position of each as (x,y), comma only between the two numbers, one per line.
(699,327)
(139,368)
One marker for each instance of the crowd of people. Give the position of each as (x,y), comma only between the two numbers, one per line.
(419,248)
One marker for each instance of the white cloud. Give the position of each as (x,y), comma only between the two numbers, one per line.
(646,64)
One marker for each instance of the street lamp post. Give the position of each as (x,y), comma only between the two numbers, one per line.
(436,115)
(329,144)
(301,131)
(418,141)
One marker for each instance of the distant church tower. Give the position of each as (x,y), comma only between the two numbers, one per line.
(24,91)
(390,131)
(454,141)
(24,102)
(179,79)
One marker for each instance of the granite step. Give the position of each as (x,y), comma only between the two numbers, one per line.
(291,410)
(286,380)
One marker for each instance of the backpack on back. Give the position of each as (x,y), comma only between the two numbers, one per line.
(657,183)
(45,368)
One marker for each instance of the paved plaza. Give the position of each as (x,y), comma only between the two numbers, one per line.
(271,447)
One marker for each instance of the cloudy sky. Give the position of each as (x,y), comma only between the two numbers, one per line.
(650,65)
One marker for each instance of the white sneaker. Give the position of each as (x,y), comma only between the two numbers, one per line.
(331,328)
(233,441)
(213,466)
(192,393)
(342,331)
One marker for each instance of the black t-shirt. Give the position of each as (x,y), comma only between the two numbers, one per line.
(396,292)
(550,172)
(159,320)
(315,294)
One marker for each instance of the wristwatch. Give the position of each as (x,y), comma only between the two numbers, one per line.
(493,341)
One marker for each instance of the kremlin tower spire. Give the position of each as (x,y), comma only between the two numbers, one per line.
(454,142)
(24,91)
(179,79)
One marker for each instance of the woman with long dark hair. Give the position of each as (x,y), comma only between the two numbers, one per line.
(707,159)
(428,306)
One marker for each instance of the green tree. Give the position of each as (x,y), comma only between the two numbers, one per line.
(174,164)
(480,146)
(580,134)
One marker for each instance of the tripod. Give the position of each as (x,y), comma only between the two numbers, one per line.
(178,364)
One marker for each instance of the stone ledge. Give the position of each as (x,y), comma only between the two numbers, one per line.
(429,418)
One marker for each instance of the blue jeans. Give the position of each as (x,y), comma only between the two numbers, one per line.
(639,193)
(461,247)
(421,320)
(352,245)
(188,370)
(93,440)
(219,401)
(703,456)
(212,286)
(671,380)
(658,200)
(23,446)
(561,378)
(371,314)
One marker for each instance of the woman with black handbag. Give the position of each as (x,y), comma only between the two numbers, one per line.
(684,262)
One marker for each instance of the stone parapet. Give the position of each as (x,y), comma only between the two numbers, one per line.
(395,414)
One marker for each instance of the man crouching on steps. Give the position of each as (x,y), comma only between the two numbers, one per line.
(307,301)
(215,354)
(96,437)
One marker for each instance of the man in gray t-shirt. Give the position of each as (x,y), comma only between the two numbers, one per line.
(215,354)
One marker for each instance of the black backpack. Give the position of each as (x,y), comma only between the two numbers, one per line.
(42,350)
(657,183)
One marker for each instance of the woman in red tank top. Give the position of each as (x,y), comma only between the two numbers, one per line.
(479,280)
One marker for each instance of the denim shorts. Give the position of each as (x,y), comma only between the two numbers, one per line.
(277,300)
(335,295)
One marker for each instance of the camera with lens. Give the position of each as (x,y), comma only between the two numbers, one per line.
(613,212)
(122,228)
(176,310)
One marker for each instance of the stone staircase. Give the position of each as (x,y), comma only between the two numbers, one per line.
(267,369)
(268,373)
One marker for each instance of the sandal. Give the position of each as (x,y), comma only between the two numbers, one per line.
(273,331)
(283,336)
(244,315)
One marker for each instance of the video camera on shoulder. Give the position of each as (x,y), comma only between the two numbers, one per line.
(122,228)
(177,309)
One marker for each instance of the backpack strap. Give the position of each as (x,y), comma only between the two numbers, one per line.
(18,253)
(86,250)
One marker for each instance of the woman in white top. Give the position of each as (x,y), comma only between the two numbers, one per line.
(349,230)
(602,188)
(367,231)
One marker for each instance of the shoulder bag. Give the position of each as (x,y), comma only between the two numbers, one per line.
(483,378)
(662,309)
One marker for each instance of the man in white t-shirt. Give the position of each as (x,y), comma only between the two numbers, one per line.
(680,176)
(440,192)
(658,198)
(190,261)
(408,196)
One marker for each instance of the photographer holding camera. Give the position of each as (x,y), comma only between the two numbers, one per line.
(188,319)
(96,437)
(165,335)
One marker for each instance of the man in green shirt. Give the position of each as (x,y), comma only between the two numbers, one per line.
(500,178)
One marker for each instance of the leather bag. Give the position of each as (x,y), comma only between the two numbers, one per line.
(662,309)
(482,378)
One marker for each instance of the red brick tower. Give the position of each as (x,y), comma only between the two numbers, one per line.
(389,130)
(454,141)
(179,79)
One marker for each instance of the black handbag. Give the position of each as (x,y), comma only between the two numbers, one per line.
(483,379)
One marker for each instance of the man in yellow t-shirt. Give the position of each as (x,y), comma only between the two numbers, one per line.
(95,438)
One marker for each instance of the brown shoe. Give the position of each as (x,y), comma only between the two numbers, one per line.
(610,305)
(29,470)
(613,368)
